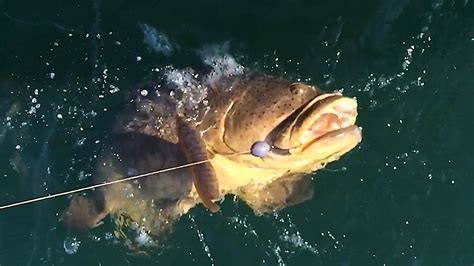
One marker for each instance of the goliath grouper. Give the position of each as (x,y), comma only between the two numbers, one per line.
(305,128)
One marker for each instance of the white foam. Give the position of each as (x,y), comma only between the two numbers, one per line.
(202,240)
(192,92)
(297,241)
(71,246)
(157,41)
(291,235)
(191,88)
(143,239)
(222,63)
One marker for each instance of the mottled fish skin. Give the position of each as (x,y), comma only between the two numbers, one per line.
(149,135)
(204,176)
(248,108)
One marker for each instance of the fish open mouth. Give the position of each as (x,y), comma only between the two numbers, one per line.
(334,114)
(327,117)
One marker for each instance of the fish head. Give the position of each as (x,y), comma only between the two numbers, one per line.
(305,128)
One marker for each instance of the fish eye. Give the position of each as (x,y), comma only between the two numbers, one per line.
(297,88)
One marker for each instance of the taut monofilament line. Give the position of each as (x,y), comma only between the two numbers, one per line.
(55,195)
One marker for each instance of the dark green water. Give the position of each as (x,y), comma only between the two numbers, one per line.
(403,197)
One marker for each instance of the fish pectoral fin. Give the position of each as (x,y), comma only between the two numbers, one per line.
(204,176)
(209,204)
(283,192)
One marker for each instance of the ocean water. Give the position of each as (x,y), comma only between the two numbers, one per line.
(404,196)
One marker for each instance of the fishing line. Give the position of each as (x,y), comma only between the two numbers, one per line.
(55,195)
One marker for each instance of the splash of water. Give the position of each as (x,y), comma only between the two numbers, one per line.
(222,63)
(202,240)
(157,41)
(71,246)
(192,88)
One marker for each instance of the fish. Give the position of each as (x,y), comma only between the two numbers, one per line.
(305,127)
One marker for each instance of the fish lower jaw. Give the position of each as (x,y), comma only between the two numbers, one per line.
(346,136)
(333,130)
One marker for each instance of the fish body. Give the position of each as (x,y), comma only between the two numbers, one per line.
(305,128)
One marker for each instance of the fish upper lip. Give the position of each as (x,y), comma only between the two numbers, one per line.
(291,119)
